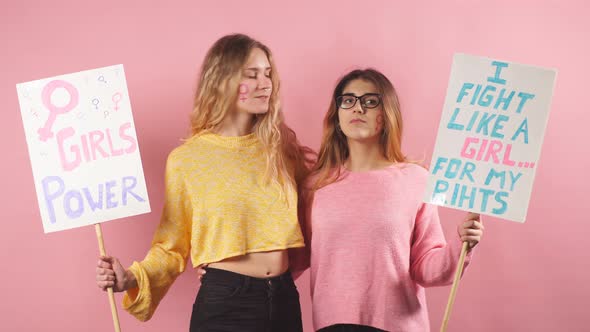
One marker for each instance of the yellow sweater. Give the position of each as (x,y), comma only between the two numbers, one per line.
(217,205)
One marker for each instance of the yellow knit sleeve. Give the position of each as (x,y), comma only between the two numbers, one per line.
(170,248)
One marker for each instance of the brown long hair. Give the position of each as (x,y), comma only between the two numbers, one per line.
(334,148)
(217,92)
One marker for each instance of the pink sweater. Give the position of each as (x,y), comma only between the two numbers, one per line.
(374,246)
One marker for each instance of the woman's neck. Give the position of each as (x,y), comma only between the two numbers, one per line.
(365,156)
(236,124)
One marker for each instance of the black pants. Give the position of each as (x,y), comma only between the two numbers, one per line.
(349,328)
(229,301)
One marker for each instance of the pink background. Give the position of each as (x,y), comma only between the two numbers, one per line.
(528,277)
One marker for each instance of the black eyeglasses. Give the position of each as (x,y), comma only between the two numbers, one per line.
(368,100)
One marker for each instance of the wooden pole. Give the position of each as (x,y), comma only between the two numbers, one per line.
(456,280)
(110,289)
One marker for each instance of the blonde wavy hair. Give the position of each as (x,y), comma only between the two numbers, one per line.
(334,148)
(287,162)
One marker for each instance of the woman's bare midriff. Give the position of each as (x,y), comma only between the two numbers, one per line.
(259,264)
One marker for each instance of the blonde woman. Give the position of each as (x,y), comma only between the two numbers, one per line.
(374,244)
(231,203)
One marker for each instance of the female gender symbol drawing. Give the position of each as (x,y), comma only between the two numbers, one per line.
(243,90)
(116,99)
(45,132)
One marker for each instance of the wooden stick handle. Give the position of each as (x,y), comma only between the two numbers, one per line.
(110,289)
(456,280)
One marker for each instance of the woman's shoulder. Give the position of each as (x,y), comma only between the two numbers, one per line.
(412,168)
(179,152)
(411,172)
(184,153)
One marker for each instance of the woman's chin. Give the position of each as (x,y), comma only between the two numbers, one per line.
(361,136)
(258,111)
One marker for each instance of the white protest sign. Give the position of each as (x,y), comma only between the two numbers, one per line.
(83,148)
(490,137)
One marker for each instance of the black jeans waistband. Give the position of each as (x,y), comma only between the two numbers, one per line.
(229,301)
(224,276)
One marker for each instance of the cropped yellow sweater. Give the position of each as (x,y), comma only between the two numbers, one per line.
(217,205)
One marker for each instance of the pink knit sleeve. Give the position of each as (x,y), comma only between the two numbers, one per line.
(433,260)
